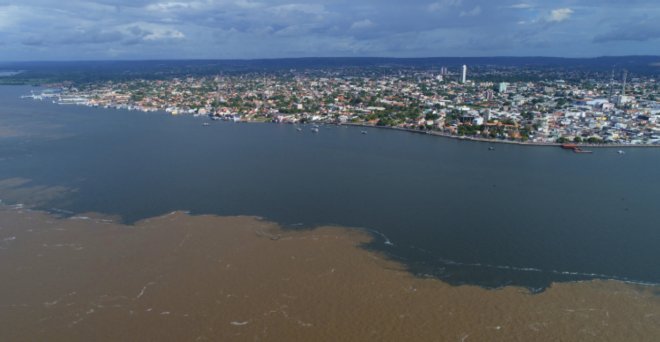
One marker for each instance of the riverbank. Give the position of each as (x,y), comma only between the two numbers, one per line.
(430,132)
(496,141)
(180,277)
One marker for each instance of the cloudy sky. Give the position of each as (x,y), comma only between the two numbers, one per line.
(143,29)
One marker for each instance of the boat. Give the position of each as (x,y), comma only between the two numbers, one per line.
(620,152)
(298,129)
(206,124)
(575,148)
(491,148)
(315,130)
(579,150)
(363,132)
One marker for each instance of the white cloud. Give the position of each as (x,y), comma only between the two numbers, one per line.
(471,13)
(443,4)
(10,16)
(559,15)
(300,8)
(165,34)
(172,6)
(521,6)
(362,24)
(248,4)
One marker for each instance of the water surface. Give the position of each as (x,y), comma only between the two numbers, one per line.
(452,209)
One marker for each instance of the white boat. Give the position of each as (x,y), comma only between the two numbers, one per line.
(620,152)
(206,124)
(315,130)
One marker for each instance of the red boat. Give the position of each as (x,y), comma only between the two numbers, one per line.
(579,150)
(575,148)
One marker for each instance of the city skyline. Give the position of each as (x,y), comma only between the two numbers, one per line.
(243,29)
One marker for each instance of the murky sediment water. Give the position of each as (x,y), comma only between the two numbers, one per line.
(180,277)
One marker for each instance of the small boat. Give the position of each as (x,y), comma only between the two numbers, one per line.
(315,130)
(579,150)
(491,148)
(620,152)
(363,132)
(298,129)
(206,124)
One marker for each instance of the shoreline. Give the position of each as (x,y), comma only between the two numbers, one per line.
(497,141)
(410,130)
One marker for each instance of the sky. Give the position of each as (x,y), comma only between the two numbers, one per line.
(247,29)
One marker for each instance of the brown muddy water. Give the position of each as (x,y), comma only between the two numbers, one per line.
(198,278)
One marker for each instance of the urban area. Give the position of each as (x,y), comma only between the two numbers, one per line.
(494,104)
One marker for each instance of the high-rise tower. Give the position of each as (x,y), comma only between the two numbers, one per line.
(623,89)
(464,74)
(611,86)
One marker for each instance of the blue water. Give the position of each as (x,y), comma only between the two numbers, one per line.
(451,209)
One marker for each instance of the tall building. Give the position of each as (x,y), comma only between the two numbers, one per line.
(623,88)
(503,87)
(464,74)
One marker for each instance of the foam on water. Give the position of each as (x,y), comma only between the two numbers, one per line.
(80,218)
(386,240)
(538,270)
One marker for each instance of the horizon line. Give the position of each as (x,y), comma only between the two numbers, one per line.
(320,57)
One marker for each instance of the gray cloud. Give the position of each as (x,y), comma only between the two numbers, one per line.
(639,31)
(93,35)
(46,29)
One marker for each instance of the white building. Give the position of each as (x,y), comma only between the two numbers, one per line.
(464,74)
